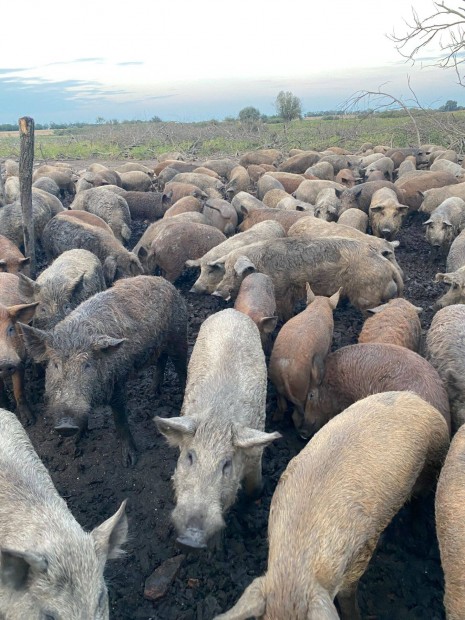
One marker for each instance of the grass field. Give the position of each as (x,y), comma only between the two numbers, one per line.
(207,139)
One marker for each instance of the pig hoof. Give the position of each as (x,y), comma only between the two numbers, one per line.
(26,415)
(129,454)
(67,428)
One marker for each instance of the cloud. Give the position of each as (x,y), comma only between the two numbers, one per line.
(130,63)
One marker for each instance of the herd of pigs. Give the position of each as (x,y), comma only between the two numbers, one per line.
(287,237)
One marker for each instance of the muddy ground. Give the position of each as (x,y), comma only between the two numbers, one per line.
(404,579)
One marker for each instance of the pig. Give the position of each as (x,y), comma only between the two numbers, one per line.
(48,185)
(238,181)
(355,371)
(261,156)
(384,165)
(253,216)
(221,214)
(456,292)
(396,322)
(334,500)
(203,170)
(149,206)
(11,168)
(256,300)
(300,162)
(327,264)
(129,166)
(444,224)
(298,357)
(274,196)
(48,200)
(63,177)
(165,177)
(72,278)
(91,352)
(223,167)
(11,189)
(255,172)
(64,233)
(266,183)
(327,205)
(322,170)
(386,214)
(50,567)
(288,180)
(11,220)
(337,160)
(212,274)
(308,190)
(445,351)
(14,308)
(313,228)
(408,165)
(174,245)
(176,190)
(112,208)
(456,256)
(84,217)
(289,203)
(202,181)
(432,198)
(449,504)
(416,184)
(448,166)
(346,177)
(188,204)
(359,197)
(355,218)
(11,259)
(99,175)
(243,199)
(220,433)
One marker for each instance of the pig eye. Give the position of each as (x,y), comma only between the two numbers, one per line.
(455,285)
(49,617)
(190,458)
(10,331)
(227,467)
(67,308)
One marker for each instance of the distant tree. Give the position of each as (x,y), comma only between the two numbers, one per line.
(249,115)
(449,106)
(156,119)
(99,120)
(288,106)
(229,119)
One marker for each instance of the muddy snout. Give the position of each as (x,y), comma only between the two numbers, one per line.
(193,537)
(68,424)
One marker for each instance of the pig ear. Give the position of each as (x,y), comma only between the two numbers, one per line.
(443,277)
(245,437)
(192,263)
(252,603)
(243,266)
(142,252)
(244,210)
(176,429)
(36,341)
(403,208)
(217,264)
(16,567)
(310,293)
(377,309)
(376,208)
(74,285)
(419,309)
(22,313)
(111,535)
(136,266)
(166,199)
(339,192)
(447,223)
(125,232)
(317,370)
(394,244)
(268,323)
(109,269)
(26,286)
(428,222)
(3,265)
(334,299)
(107,344)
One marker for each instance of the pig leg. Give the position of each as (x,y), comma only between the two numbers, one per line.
(3,398)
(25,413)
(253,483)
(348,604)
(178,355)
(281,408)
(118,406)
(159,372)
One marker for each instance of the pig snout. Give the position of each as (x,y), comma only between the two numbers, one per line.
(193,537)
(8,367)
(68,422)
(223,294)
(196,527)
(386,233)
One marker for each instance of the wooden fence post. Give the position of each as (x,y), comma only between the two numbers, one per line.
(26,160)
(2,189)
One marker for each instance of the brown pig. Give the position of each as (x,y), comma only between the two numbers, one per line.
(239,181)
(176,190)
(184,205)
(299,352)
(13,308)
(256,300)
(11,259)
(396,322)
(335,499)
(355,218)
(355,371)
(254,215)
(450,526)
(386,213)
(346,177)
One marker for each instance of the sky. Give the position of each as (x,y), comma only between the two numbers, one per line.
(192,60)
